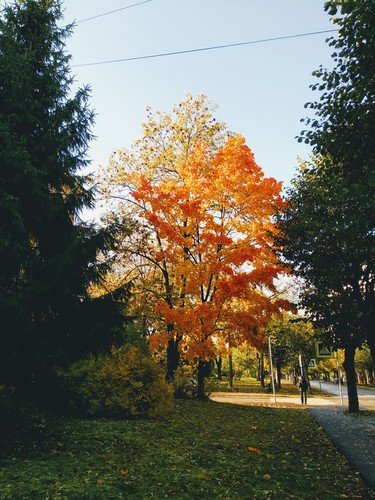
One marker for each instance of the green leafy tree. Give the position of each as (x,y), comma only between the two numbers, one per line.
(48,255)
(329,226)
(364,365)
(343,130)
(291,337)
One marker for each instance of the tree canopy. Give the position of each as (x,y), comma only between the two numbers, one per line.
(48,255)
(329,225)
(206,208)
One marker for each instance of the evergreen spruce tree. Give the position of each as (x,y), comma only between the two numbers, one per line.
(48,257)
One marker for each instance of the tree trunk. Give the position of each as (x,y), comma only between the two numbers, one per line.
(204,368)
(295,377)
(173,358)
(231,373)
(262,369)
(351,379)
(258,366)
(278,375)
(219,366)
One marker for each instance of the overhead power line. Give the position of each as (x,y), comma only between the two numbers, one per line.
(215,47)
(112,11)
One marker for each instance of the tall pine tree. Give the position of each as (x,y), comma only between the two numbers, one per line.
(48,256)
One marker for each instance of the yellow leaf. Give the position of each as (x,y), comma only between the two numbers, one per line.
(254,450)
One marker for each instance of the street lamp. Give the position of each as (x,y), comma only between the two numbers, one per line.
(271,366)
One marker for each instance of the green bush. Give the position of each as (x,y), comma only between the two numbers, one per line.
(21,421)
(124,383)
(185,383)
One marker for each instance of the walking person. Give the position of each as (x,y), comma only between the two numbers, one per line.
(303,385)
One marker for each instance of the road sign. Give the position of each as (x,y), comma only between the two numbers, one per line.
(312,363)
(322,350)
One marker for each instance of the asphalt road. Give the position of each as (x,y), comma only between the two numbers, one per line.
(353,435)
(366,397)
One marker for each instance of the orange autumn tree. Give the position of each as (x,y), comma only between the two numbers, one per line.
(213,223)
(167,140)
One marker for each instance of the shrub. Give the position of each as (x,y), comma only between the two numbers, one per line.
(124,383)
(185,383)
(22,422)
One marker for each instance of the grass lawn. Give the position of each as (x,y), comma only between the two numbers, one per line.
(202,450)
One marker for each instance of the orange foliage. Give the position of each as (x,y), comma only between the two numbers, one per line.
(214,221)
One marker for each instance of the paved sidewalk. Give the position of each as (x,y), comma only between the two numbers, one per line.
(353,435)
(366,395)
(249,398)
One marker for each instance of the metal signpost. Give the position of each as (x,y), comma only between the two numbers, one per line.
(301,365)
(323,351)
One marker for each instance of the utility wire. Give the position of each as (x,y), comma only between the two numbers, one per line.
(215,47)
(112,11)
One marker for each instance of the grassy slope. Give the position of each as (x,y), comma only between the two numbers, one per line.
(203,450)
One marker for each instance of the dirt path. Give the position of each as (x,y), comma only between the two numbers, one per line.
(251,399)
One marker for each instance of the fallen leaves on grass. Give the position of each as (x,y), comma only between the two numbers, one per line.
(201,450)
(254,450)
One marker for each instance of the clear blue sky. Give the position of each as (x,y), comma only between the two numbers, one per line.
(260,89)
